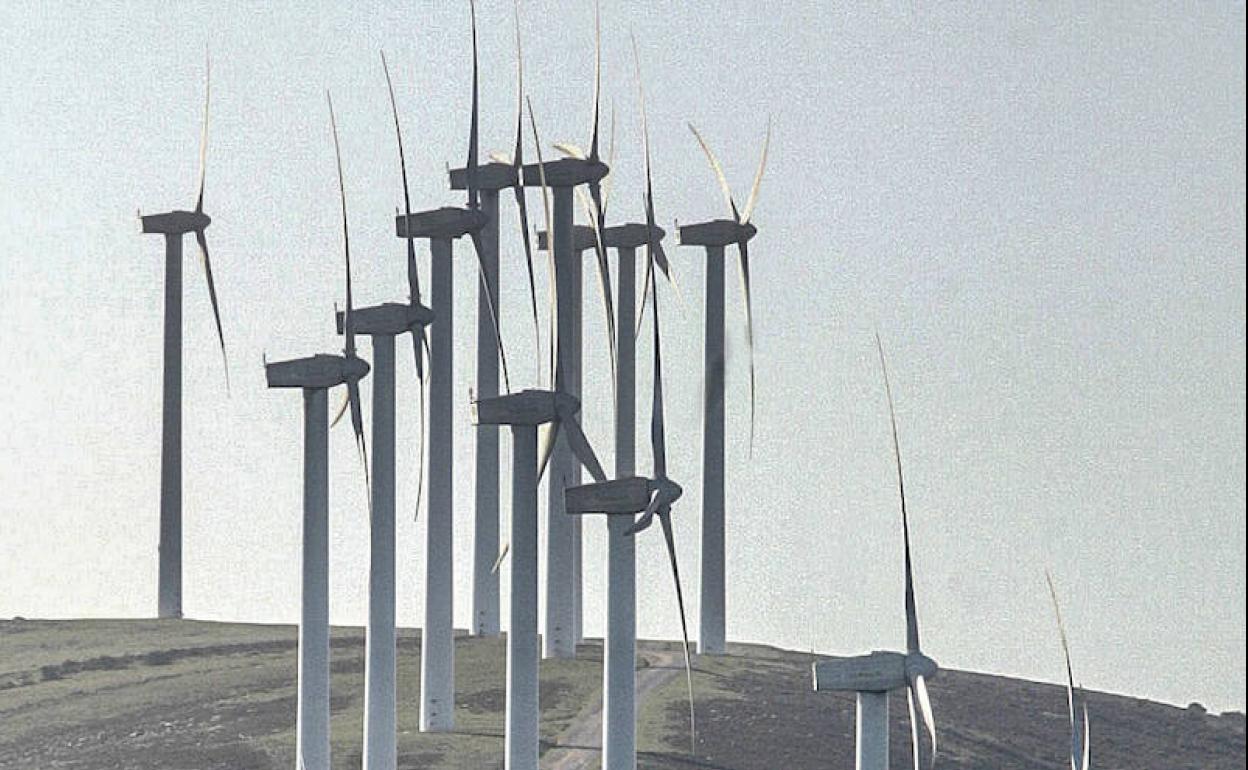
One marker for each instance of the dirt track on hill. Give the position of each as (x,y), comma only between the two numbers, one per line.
(580,746)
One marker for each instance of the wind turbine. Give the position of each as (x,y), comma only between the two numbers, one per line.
(714,235)
(621,499)
(873,676)
(488,180)
(619,740)
(173,225)
(563,590)
(442,226)
(1080,745)
(315,375)
(383,322)
(525,412)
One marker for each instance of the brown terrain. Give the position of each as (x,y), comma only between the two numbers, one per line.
(188,695)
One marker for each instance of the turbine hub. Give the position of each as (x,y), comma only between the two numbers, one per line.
(670,490)
(918,664)
(354,368)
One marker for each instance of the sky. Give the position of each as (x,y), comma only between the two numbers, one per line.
(1040,207)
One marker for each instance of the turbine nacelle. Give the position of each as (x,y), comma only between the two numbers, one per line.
(565,172)
(619,496)
(319,371)
(669,490)
(634,235)
(716,232)
(386,318)
(448,222)
(490,176)
(175,222)
(880,671)
(526,407)
(631,495)
(918,664)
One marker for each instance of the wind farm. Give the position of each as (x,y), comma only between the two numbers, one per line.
(490,574)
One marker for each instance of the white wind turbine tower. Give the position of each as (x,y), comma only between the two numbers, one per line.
(173,225)
(714,236)
(525,412)
(384,322)
(873,676)
(315,375)
(1080,745)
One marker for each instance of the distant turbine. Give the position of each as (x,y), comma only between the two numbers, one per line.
(1080,745)
(499,174)
(315,375)
(564,176)
(619,737)
(383,322)
(442,226)
(714,236)
(525,411)
(173,225)
(625,497)
(873,676)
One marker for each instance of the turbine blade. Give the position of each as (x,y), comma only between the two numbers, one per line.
(647,516)
(357,424)
(648,198)
(502,554)
(654,249)
(665,266)
(645,294)
(212,296)
(606,180)
(665,519)
(347,325)
(581,448)
(1070,676)
(424,429)
(743,250)
(522,206)
(550,253)
(413,275)
(474,201)
(419,343)
(912,620)
(1087,740)
(550,435)
(925,709)
(593,209)
(719,174)
(203,135)
(521,198)
(915,747)
(758,178)
(569,150)
(478,248)
(342,410)
(593,142)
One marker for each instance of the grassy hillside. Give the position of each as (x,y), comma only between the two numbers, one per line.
(187,695)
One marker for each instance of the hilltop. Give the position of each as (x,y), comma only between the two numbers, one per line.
(190,695)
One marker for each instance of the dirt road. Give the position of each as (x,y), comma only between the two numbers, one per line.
(580,746)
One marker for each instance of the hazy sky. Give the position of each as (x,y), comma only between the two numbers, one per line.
(1040,207)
